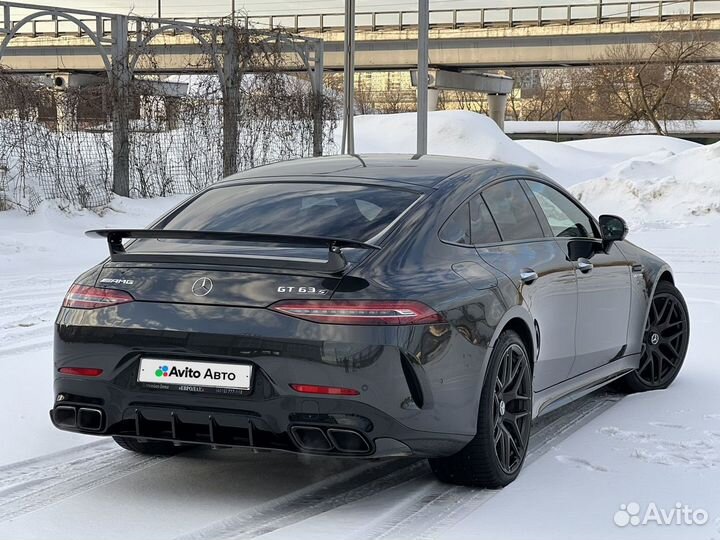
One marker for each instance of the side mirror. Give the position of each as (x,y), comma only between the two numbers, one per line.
(612,228)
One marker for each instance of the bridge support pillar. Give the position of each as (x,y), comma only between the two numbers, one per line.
(231,98)
(496,108)
(65,110)
(120,79)
(495,86)
(432,99)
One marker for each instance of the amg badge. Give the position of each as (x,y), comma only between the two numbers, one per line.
(117,281)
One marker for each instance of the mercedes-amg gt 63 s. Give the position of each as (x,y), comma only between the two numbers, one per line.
(364,306)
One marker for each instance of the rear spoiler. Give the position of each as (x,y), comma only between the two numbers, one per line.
(335,262)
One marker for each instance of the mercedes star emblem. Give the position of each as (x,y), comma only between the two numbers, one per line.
(202,286)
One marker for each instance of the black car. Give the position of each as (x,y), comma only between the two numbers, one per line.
(364,306)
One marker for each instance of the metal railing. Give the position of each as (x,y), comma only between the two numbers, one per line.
(538,15)
(54,21)
(489,17)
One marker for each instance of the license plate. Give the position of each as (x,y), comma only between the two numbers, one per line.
(207,374)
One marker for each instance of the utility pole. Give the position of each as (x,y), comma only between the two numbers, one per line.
(318,52)
(159,15)
(422,79)
(231,98)
(120,87)
(348,136)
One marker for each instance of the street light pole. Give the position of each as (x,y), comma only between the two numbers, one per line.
(422,78)
(348,136)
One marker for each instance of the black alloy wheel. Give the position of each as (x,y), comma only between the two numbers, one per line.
(665,341)
(494,457)
(512,408)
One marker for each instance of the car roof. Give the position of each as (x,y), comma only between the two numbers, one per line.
(425,171)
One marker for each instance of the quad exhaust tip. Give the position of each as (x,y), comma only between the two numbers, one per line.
(90,419)
(348,441)
(311,438)
(85,418)
(65,416)
(316,439)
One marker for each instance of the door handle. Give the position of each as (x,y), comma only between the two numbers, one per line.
(528,275)
(584,265)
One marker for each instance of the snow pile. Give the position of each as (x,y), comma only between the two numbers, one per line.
(650,180)
(450,133)
(28,240)
(658,189)
(633,145)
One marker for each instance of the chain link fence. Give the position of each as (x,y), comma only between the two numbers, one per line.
(57,145)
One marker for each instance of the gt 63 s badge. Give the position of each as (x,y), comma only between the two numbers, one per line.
(302,290)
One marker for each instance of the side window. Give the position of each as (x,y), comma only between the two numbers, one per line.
(512,211)
(482,226)
(566,219)
(457,228)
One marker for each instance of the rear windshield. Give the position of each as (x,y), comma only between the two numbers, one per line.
(353,212)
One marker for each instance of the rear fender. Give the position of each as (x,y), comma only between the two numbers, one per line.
(515,313)
(521,313)
(646,274)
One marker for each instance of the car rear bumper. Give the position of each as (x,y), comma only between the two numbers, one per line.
(337,427)
(404,406)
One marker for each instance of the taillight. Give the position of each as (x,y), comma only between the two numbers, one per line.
(83,297)
(364,312)
(324,390)
(81,371)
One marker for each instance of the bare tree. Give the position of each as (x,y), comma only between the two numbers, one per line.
(704,88)
(395,98)
(364,96)
(57,144)
(649,83)
(463,100)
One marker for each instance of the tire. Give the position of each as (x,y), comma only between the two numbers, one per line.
(503,426)
(155,448)
(665,341)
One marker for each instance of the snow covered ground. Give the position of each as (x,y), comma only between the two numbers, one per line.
(40,255)
(587,460)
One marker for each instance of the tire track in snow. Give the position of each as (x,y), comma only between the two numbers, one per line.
(23,294)
(31,485)
(17,315)
(41,342)
(337,491)
(19,335)
(444,505)
(426,504)
(30,304)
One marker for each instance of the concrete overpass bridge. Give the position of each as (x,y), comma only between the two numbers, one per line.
(558,35)
(572,34)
